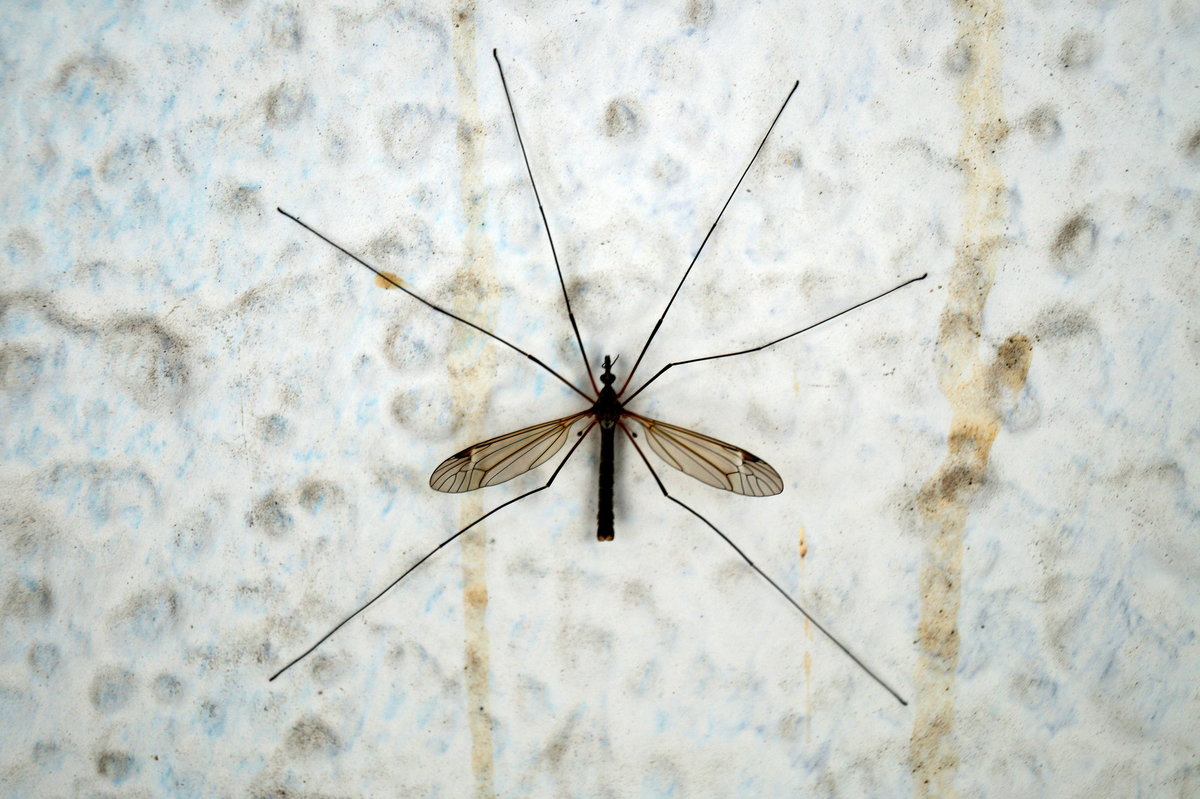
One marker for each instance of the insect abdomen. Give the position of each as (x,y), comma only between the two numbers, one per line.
(604,515)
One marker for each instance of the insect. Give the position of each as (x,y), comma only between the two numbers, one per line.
(497,460)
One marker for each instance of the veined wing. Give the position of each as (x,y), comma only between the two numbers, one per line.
(500,459)
(716,463)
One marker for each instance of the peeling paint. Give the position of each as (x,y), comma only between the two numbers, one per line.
(977,386)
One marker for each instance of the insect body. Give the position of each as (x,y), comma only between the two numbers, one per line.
(607,411)
(500,459)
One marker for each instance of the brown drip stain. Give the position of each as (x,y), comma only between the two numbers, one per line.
(802,546)
(978,385)
(470,373)
(808,709)
(388,280)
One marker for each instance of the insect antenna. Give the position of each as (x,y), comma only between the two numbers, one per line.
(419,298)
(432,552)
(761,573)
(545,224)
(773,342)
(753,158)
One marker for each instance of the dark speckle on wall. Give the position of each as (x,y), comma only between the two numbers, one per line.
(115,765)
(149,615)
(149,359)
(47,754)
(1078,51)
(99,70)
(270,515)
(20,367)
(44,659)
(311,735)
(1191,145)
(287,28)
(285,104)
(1075,244)
(28,599)
(699,13)
(959,58)
(1043,124)
(317,495)
(167,688)
(112,689)
(622,119)
(128,158)
(235,199)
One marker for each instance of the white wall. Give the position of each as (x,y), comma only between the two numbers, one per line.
(216,433)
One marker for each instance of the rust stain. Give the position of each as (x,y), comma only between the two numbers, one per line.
(470,368)
(808,708)
(388,280)
(978,385)
(802,546)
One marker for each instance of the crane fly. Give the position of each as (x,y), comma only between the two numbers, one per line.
(702,457)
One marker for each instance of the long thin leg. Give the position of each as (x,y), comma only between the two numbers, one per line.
(566,299)
(432,552)
(761,573)
(421,299)
(659,373)
(658,324)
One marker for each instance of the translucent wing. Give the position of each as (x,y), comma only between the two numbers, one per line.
(499,459)
(716,463)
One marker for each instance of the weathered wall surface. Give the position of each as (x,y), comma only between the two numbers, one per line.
(216,433)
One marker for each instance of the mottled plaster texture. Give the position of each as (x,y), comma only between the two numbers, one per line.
(216,432)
